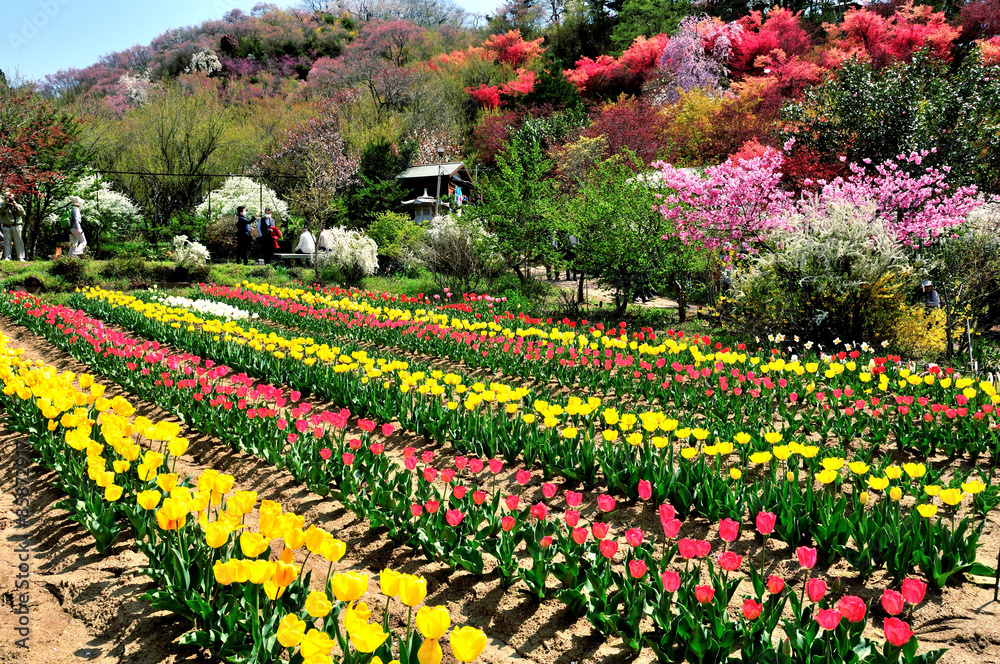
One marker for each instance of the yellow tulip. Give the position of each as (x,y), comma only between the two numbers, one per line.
(356,615)
(412,589)
(951,496)
(735,473)
(285,573)
(742,438)
(318,604)
(827,476)
(893,472)
(260,571)
(973,487)
(273,590)
(389,582)
(915,470)
(333,550)
(112,492)
(467,643)
(895,493)
(932,490)
(349,586)
(433,621)
(148,499)
(291,630)
(253,544)
(216,534)
(316,643)
(430,652)
(367,638)
(177,446)
(863,498)
(166,481)
(858,467)
(927,511)
(878,483)
(760,457)
(223,573)
(294,538)
(832,463)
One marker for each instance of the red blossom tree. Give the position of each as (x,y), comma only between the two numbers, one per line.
(884,40)
(780,31)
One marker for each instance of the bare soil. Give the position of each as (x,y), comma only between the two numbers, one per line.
(84,606)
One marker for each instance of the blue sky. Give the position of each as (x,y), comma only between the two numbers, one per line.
(39,37)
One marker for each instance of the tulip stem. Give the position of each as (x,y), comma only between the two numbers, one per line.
(409,623)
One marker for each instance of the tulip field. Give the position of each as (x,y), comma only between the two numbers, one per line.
(618,494)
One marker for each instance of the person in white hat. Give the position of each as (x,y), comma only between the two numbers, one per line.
(77,240)
(12,222)
(931,298)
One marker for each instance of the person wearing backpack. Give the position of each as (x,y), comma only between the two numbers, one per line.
(12,221)
(77,240)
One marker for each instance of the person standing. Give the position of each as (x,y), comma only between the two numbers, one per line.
(275,236)
(931,298)
(243,237)
(12,221)
(77,240)
(266,223)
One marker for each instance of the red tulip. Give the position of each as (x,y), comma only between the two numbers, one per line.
(539,511)
(475,466)
(704,594)
(573,498)
(913,591)
(387,430)
(353,443)
(775,584)
(496,465)
(416,510)
(430,474)
(512,502)
(454,517)
(325,453)
(507,523)
(637,568)
(633,536)
(828,619)
(432,506)
(703,547)
(522,477)
(545,542)
(897,632)
(600,530)
(447,475)
(729,530)
(580,535)
(427,456)
(479,497)
(688,548)
(410,463)
(765,522)
(347,458)
(408,451)
(461,462)
(816,589)
(852,607)
(459,491)
(671,581)
(807,556)
(605,503)
(892,602)
(645,490)
(549,489)
(729,561)
(609,548)
(377,448)
(572,518)
(667,512)
(671,528)
(752,609)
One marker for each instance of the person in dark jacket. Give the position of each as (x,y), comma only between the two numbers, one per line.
(243,238)
(931,298)
(265,239)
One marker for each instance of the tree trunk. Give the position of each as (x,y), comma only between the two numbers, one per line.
(681,297)
(520,273)
(579,289)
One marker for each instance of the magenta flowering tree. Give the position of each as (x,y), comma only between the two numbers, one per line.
(733,207)
(917,208)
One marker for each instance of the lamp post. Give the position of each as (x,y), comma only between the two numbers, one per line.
(437,199)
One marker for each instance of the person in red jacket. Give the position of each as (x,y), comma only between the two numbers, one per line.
(275,236)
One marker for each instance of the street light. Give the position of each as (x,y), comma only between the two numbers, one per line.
(437,199)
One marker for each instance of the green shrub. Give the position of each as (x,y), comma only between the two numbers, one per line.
(72,270)
(125,267)
(396,236)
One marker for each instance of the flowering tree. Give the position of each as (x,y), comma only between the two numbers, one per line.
(355,255)
(238,191)
(732,207)
(103,207)
(315,153)
(916,209)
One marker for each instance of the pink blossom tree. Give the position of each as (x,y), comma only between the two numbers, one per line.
(731,208)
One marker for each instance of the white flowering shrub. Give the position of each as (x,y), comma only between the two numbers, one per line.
(204,307)
(102,207)
(355,255)
(457,253)
(204,61)
(238,191)
(189,254)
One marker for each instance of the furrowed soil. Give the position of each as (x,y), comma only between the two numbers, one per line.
(87,607)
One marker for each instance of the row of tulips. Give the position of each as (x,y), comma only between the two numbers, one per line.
(871,532)
(209,564)
(439,519)
(843,395)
